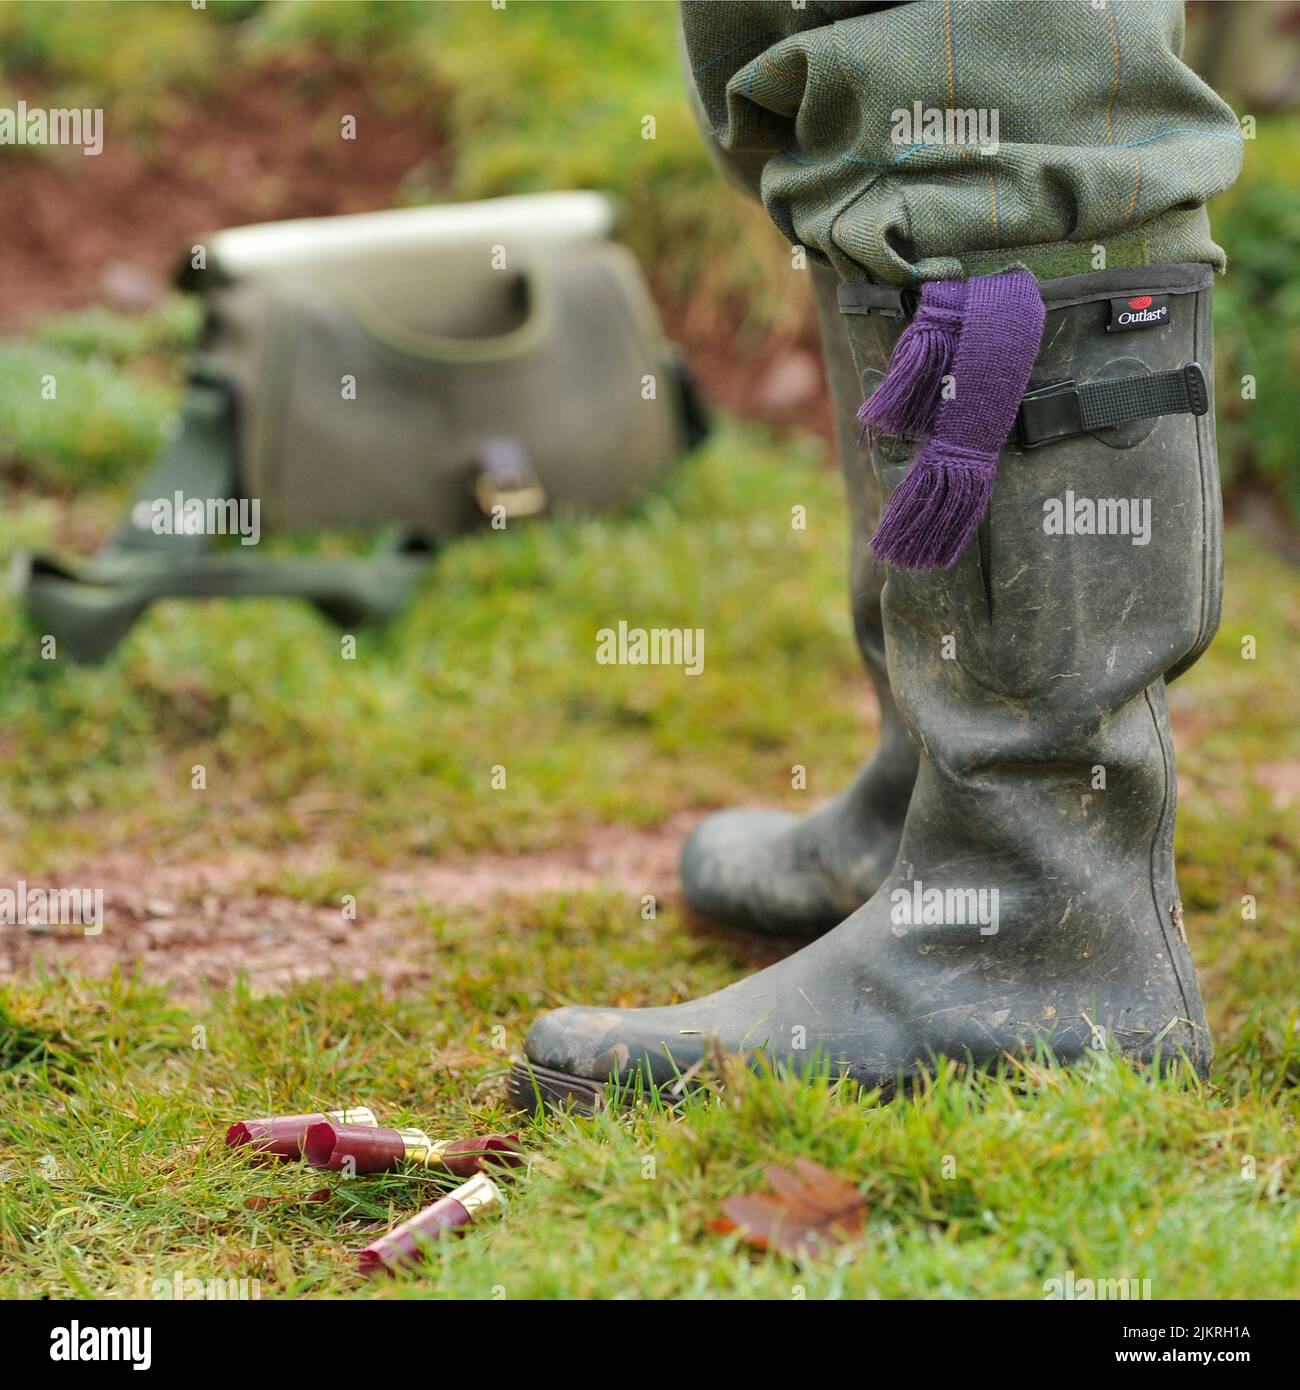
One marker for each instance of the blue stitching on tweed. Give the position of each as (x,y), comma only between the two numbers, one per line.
(1128,145)
(744,43)
(1178,130)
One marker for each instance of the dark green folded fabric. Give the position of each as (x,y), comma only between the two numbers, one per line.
(1105,137)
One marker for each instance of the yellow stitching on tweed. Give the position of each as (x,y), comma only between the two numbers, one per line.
(1114,86)
(952,106)
(952,78)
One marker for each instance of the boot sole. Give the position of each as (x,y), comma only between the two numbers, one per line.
(543,1091)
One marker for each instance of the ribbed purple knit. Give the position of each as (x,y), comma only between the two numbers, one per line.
(935,509)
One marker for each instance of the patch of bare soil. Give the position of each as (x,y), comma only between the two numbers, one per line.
(260,147)
(198,925)
(777,377)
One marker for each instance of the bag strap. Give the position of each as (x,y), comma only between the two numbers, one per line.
(90,610)
(203,462)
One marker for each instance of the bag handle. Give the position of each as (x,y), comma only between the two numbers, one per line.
(537,298)
(89,611)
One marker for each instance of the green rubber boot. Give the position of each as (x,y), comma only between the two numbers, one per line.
(1034,899)
(770,871)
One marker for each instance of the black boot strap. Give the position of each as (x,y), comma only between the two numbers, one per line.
(1064,408)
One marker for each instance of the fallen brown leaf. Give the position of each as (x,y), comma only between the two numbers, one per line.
(808,1212)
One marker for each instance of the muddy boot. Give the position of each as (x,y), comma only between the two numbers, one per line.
(770,871)
(1034,899)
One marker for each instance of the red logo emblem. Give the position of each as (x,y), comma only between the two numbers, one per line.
(1143,301)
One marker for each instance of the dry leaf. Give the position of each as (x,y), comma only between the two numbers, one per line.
(808,1212)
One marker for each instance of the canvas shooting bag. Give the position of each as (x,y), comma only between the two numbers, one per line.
(424,369)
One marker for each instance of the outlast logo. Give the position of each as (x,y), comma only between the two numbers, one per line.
(1142,311)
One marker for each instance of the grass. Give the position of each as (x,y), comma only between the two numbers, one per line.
(113,1095)
(494,664)
(110,1117)
(116,1176)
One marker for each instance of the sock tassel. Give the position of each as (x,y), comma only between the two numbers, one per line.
(907,400)
(932,514)
(934,511)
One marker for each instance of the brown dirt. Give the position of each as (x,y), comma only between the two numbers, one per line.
(259,147)
(197,926)
(777,378)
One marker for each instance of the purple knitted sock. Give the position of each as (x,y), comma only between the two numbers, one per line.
(935,509)
(907,400)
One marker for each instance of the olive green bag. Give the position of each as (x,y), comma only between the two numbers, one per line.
(430,370)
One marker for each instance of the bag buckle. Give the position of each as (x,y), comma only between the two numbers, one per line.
(506,479)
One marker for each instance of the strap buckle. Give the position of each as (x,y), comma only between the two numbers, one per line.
(1049,412)
(1059,409)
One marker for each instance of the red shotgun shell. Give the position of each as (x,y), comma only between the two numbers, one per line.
(403,1244)
(465,1157)
(284,1135)
(354,1148)
(357,1149)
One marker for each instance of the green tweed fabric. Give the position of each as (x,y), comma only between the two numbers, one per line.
(1108,144)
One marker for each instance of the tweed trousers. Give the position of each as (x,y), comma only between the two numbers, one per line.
(938,139)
